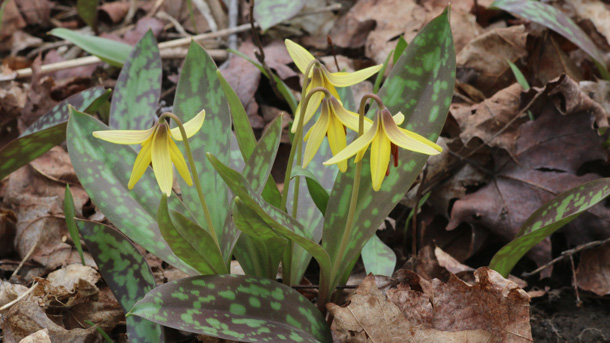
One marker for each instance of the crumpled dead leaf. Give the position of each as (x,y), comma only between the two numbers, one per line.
(593,273)
(492,310)
(40,336)
(71,285)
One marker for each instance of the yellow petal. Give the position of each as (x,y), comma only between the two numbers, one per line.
(190,127)
(357,146)
(312,105)
(141,164)
(398,118)
(337,140)
(343,79)
(124,136)
(409,140)
(316,134)
(161,160)
(349,118)
(179,162)
(299,55)
(380,158)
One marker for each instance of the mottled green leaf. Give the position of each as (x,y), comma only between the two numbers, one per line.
(260,254)
(318,193)
(138,88)
(71,223)
(127,274)
(378,258)
(258,167)
(550,217)
(108,50)
(236,307)
(48,131)
(87,11)
(103,169)
(272,12)
(199,88)
(420,86)
(401,45)
(189,241)
(548,16)
(280,85)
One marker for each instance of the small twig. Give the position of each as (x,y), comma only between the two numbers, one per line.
(174,22)
(418,195)
(317,286)
(131,12)
(27,256)
(332,51)
(205,11)
(25,294)
(575,282)
(333,7)
(567,253)
(260,54)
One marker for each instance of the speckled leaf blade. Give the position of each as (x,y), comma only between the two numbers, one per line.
(236,307)
(199,88)
(189,241)
(261,253)
(549,218)
(108,50)
(548,16)
(127,274)
(277,219)
(420,86)
(271,12)
(45,133)
(261,161)
(103,169)
(138,88)
(378,258)
(318,193)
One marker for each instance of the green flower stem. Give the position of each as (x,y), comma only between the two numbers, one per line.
(189,155)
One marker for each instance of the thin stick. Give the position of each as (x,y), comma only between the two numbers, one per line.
(26,257)
(25,294)
(575,281)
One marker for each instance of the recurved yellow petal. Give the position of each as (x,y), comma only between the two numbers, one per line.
(190,127)
(357,146)
(299,55)
(348,118)
(398,118)
(343,79)
(142,161)
(161,160)
(380,157)
(409,140)
(124,136)
(337,140)
(316,135)
(312,105)
(179,162)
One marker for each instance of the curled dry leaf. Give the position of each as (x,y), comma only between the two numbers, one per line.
(72,284)
(593,273)
(40,336)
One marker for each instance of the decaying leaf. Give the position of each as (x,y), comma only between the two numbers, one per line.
(593,273)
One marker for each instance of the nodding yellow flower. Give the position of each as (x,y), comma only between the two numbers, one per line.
(321,77)
(384,137)
(159,148)
(332,123)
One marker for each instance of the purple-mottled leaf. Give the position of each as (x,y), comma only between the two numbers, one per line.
(189,241)
(48,131)
(548,16)
(235,307)
(261,160)
(199,88)
(126,273)
(420,85)
(138,88)
(272,12)
(549,218)
(103,169)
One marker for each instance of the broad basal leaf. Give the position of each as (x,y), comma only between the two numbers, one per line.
(108,50)
(127,274)
(199,88)
(420,86)
(48,131)
(549,218)
(235,307)
(271,12)
(138,88)
(103,169)
(258,167)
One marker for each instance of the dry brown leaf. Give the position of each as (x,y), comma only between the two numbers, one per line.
(593,273)
(115,11)
(71,285)
(546,59)
(143,25)
(35,12)
(12,21)
(13,97)
(41,336)
(39,98)
(8,219)
(595,11)
(599,91)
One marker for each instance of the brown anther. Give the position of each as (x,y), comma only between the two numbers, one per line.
(394,150)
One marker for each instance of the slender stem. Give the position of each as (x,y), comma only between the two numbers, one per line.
(189,155)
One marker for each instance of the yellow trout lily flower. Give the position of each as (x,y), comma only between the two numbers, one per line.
(332,123)
(158,147)
(320,77)
(384,136)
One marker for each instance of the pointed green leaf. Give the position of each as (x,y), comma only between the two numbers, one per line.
(199,88)
(127,274)
(401,45)
(378,258)
(272,12)
(138,88)
(549,218)
(235,307)
(48,131)
(87,11)
(260,254)
(103,169)
(519,76)
(420,86)
(189,241)
(258,167)
(318,193)
(108,50)
(552,18)
(71,223)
